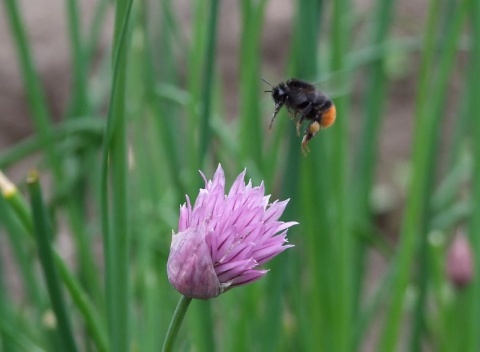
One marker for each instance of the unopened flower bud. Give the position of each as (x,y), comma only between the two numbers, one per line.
(460,261)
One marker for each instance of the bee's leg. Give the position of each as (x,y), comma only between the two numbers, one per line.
(299,123)
(292,114)
(305,149)
(304,109)
(277,108)
(311,131)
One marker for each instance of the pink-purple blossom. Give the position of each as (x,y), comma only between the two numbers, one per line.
(223,240)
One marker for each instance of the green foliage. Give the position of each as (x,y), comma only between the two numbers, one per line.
(119,175)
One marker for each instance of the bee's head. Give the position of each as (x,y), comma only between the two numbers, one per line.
(279,93)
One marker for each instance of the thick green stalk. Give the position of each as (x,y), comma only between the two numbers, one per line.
(365,161)
(300,172)
(339,46)
(17,237)
(43,232)
(374,97)
(6,343)
(321,302)
(251,127)
(206,98)
(116,229)
(95,29)
(79,103)
(194,84)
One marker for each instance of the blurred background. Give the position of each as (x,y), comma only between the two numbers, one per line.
(385,253)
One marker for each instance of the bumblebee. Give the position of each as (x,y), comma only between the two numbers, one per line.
(303,102)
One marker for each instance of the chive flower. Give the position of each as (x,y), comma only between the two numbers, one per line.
(223,240)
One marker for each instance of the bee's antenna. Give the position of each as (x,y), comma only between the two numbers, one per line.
(268,91)
(263,79)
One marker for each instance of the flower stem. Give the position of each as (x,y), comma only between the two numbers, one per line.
(175,323)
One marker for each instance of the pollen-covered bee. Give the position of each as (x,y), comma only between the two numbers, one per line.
(303,102)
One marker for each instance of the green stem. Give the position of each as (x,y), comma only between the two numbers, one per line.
(115,230)
(309,15)
(91,316)
(6,344)
(93,36)
(368,146)
(175,323)
(344,241)
(20,207)
(20,245)
(79,104)
(43,233)
(251,127)
(208,82)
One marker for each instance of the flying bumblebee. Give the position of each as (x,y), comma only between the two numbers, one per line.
(303,102)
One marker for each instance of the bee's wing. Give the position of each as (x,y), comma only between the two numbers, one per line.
(331,83)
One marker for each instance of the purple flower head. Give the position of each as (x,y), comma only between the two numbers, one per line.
(223,239)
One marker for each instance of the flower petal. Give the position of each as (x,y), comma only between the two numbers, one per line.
(275,210)
(239,184)
(239,251)
(230,270)
(248,277)
(218,178)
(184,219)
